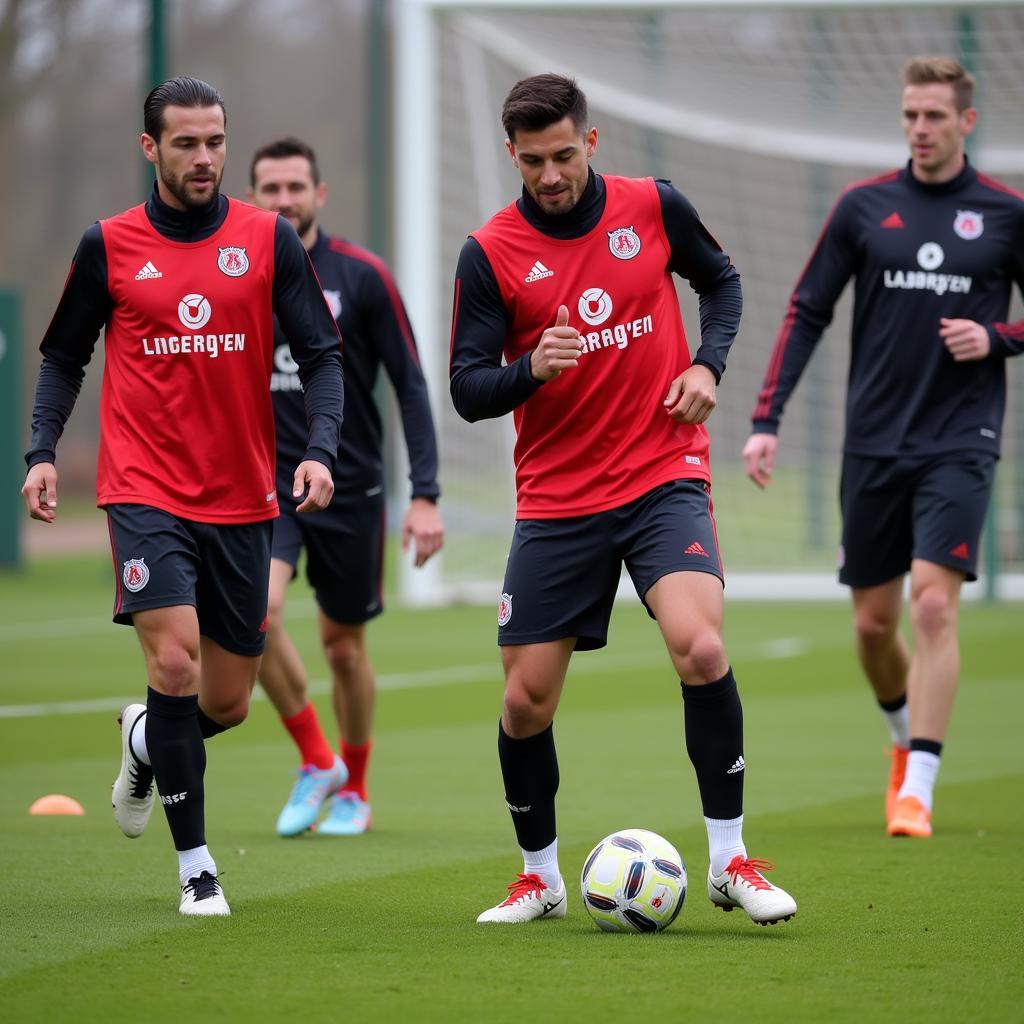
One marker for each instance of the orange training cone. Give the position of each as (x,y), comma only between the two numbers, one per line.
(56,803)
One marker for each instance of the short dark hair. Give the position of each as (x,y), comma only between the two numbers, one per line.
(534,103)
(178,92)
(926,70)
(281,148)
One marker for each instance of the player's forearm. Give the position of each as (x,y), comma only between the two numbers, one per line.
(484,392)
(420,442)
(57,391)
(324,397)
(720,312)
(1007,339)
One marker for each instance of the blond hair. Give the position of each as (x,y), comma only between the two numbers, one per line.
(926,70)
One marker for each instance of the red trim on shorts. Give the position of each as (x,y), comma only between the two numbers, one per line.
(714,527)
(118,592)
(380,555)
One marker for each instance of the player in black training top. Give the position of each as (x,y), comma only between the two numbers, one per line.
(344,549)
(934,249)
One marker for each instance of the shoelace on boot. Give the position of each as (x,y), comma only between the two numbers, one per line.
(524,885)
(203,886)
(749,869)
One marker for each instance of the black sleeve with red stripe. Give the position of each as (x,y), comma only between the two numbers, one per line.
(68,344)
(315,343)
(1008,339)
(481,387)
(832,263)
(397,347)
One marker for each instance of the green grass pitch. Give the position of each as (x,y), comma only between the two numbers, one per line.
(382,926)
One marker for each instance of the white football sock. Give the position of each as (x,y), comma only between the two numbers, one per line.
(899,726)
(922,768)
(543,863)
(191,863)
(725,841)
(137,739)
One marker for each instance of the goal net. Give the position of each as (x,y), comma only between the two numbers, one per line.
(761,113)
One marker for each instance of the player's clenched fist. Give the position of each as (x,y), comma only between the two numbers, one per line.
(40,492)
(692,396)
(559,349)
(318,478)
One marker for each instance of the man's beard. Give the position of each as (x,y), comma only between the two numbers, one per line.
(303,225)
(178,188)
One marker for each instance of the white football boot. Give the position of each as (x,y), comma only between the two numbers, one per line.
(527,900)
(202,896)
(742,885)
(132,794)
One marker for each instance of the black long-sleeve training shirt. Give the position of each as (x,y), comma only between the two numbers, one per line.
(917,252)
(481,387)
(86,304)
(371,317)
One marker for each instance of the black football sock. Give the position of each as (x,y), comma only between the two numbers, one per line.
(713,722)
(207,726)
(529,768)
(178,756)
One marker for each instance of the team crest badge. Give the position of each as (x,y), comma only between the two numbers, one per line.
(505,609)
(624,243)
(136,574)
(333,298)
(232,260)
(968,224)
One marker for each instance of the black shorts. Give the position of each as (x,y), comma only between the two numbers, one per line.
(223,570)
(562,574)
(344,554)
(899,509)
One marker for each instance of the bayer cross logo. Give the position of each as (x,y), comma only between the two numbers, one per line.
(194,311)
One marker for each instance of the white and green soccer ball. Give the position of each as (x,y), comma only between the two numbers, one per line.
(633,881)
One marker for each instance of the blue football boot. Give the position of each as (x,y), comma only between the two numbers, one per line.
(313,787)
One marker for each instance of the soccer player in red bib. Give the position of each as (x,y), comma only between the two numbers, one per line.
(185,288)
(572,286)
(934,248)
(345,544)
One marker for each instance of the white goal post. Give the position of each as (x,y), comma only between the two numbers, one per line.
(760,112)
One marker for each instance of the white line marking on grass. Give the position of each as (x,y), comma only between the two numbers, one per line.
(784,647)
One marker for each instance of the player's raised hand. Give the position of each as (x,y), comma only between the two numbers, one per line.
(691,396)
(559,348)
(424,527)
(318,478)
(40,492)
(759,458)
(965,340)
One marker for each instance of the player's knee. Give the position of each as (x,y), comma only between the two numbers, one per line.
(230,713)
(175,669)
(344,655)
(704,659)
(527,711)
(932,612)
(874,628)
(275,611)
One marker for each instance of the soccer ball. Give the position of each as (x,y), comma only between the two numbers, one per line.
(633,881)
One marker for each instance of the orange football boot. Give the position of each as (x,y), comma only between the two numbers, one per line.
(910,818)
(897,769)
